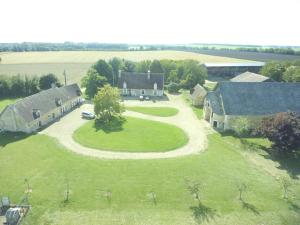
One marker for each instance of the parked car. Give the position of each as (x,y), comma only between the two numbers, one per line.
(147,98)
(141,98)
(87,115)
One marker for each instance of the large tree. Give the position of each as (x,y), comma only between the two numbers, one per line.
(107,103)
(116,65)
(156,67)
(283,130)
(143,66)
(194,73)
(292,74)
(104,69)
(92,82)
(274,70)
(47,80)
(128,66)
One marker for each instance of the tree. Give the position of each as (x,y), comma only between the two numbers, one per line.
(17,86)
(128,66)
(104,69)
(143,66)
(107,103)
(31,85)
(241,126)
(292,74)
(173,87)
(47,80)
(194,73)
(116,65)
(173,76)
(92,82)
(156,67)
(274,70)
(283,130)
(4,86)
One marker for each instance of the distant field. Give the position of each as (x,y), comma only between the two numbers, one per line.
(76,63)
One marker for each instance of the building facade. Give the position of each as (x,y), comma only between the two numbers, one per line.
(141,84)
(198,95)
(251,100)
(36,111)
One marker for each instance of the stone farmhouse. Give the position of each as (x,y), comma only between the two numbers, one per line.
(198,95)
(137,84)
(251,100)
(38,110)
(250,77)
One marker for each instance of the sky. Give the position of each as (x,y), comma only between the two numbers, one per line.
(261,22)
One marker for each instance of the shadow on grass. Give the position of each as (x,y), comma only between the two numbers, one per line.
(10,137)
(202,213)
(114,125)
(250,207)
(293,206)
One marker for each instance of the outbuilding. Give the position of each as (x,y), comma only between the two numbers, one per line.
(198,95)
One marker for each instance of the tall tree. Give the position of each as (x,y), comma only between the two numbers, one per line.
(292,74)
(47,80)
(92,82)
(107,103)
(274,70)
(116,65)
(129,66)
(143,66)
(104,69)
(156,67)
(194,73)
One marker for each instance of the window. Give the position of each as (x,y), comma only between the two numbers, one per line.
(36,113)
(215,124)
(155,86)
(124,85)
(143,92)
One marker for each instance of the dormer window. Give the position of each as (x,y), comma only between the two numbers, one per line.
(155,86)
(58,102)
(36,113)
(124,85)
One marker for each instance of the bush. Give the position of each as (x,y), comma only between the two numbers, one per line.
(173,87)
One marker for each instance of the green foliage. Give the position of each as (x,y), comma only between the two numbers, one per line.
(283,130)
(47,80)
(194,73)
(104,69)
(241,126)
(156,67)
(107,103)
(129,66)
(173,77)
(274,70)
(116,65)
(292,74)
(92,82)
(143,66)
(173,87)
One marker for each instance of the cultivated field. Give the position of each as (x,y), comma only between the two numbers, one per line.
(76,63)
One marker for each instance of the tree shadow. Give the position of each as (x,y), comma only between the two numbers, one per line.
(114,125)
(202,213)
(250,207)
(293,206)
(10,137)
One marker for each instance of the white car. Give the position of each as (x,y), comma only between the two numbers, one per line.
(141,98)
(87,115)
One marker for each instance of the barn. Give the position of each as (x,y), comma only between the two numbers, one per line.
(38,110)
(252,100)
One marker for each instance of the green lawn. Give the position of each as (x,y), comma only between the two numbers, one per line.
(135,135)
(47,165)
(6,101)
(154,111)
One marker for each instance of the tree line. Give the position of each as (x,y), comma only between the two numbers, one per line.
(22,86)
(282,71)
(177,73)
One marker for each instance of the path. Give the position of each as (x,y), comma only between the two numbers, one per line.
(185,119)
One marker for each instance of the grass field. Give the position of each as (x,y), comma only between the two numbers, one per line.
(6,101)
(134,135)
(49,167)
(154,111)
(76,63)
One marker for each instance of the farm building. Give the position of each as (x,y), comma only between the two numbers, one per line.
(33,112)
(136,84)
(198,95)
(252,100)
(250,77)
(229,70)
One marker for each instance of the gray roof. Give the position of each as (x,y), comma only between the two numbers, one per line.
(198,91)
(215,102)
(141,81)
(244,64)
(250,77)
(44,101)
(256,98)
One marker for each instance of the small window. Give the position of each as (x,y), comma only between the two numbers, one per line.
(215,124)
(143,92)
(36,113)
(155,86)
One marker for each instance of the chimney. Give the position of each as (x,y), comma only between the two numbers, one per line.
(119,75)
(149,74)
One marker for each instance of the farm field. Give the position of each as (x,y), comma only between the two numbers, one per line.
(154,111)
(134,135)
(49,167)
(76,63)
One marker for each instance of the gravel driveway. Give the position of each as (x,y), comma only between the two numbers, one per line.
(185,119)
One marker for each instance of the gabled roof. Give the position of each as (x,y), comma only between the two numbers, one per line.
(141,81)
(250,77)
(198,91)
(257,98)
(44,101)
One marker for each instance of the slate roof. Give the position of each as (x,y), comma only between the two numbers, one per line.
(244,64)
(141,81)
(250,77)
(215,102)
(198,91)
(44,101)
(256,98)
